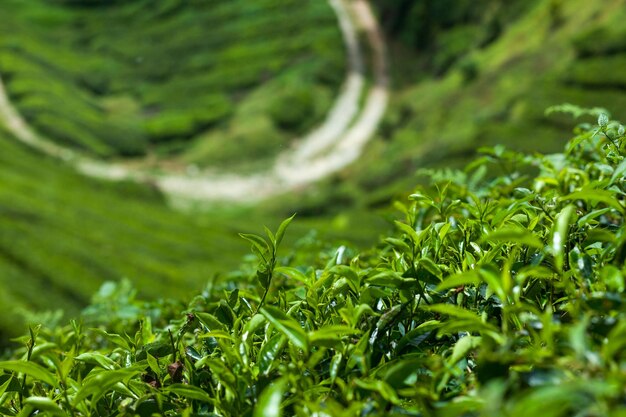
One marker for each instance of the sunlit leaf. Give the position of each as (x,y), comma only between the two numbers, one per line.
(269,404)
(97,359)
(514,235)
(46,405)
(269,353)
(463,346)
(280,233)
(191,392)
(210,321)
(31,369)
(288,326)
(561,233)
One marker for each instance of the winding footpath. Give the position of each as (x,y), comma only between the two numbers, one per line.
(335,144)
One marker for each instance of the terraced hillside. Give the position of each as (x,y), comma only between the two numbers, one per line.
(494,90)
(201,80)
(62,236)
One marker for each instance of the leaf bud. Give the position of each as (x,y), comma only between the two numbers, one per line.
(603,120)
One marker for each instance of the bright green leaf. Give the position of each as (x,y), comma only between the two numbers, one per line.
(270,400)
(287,325)
(31,369)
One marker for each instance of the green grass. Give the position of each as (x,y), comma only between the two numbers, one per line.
(133,78)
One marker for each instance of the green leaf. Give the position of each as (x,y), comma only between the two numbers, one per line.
(99,383)
(4,387)
(330,336)
(210,321)
(587,218)
(392,279)
(595,196)
(271,237)
(416,336)
(44,404)
(398,371)
(430,266)
(270,400)
(454,281)
(288,326)
(217,334)
(280,233)
(397,243)
(260,244)
(335,364)
(292,273)
(452,311)
(31,369)
(494,280)
(190,392)
(264,276)
(350,274)
(463,346)
(409,231)
(560,234)
(619,173)
(612,278)
(153,363)
(116,339)
(514,235)
(97,359)
(380,387)
(252,326)
(269,353)
(156,349)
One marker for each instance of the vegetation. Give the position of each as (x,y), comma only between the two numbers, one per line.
(494,93)
(497,296)
(446,30)
(104,81)
(63,235)
(500,290)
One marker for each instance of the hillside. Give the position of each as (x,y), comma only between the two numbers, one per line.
(103,81)
(496,92)
(63,235)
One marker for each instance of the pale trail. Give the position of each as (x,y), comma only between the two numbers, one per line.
(338,142)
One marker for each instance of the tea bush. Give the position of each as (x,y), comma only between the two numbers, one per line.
(128,77)
(498,295)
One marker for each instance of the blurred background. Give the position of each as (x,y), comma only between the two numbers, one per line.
(229,87)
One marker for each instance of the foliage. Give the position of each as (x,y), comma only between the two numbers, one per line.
(292,112)
(135,76)
(497,296)
(448,29)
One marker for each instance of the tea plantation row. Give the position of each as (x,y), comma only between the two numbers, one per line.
(133,78)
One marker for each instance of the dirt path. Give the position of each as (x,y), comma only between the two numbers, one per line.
(336,143)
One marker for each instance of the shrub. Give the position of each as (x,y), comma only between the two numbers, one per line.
(600,41)
(497,296)
(291,111)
